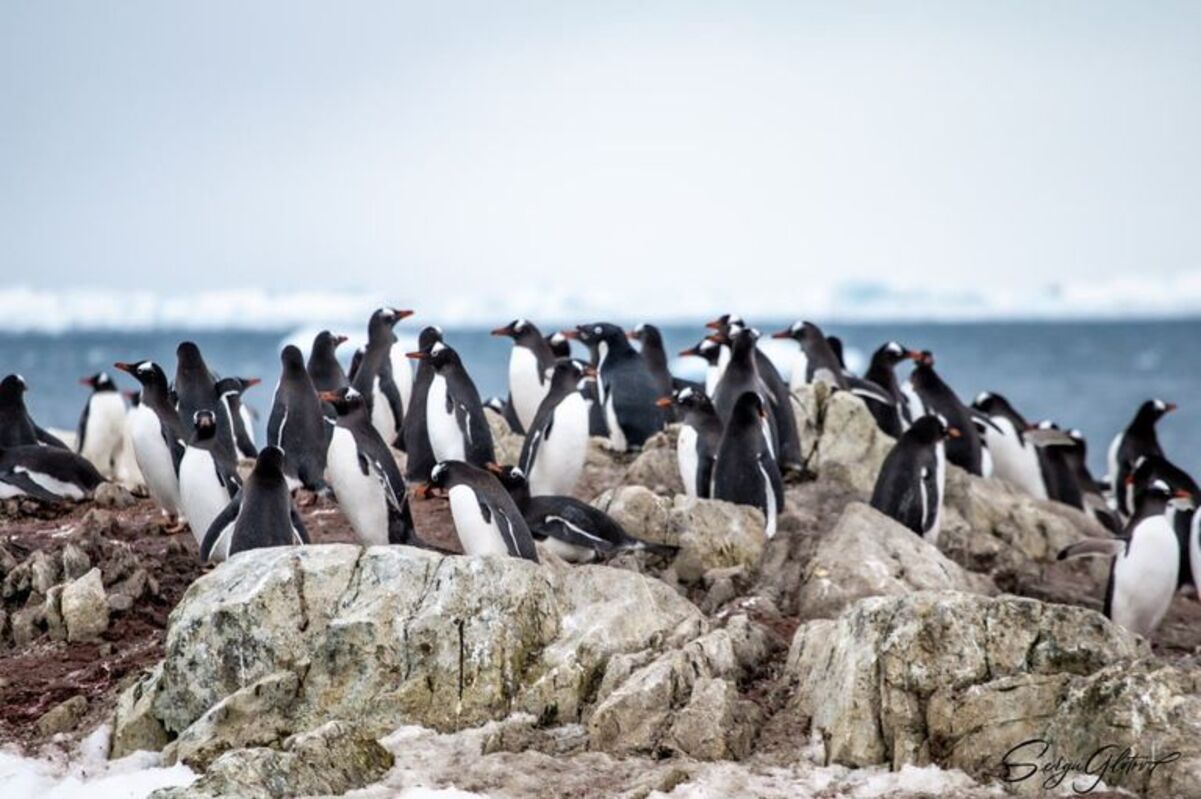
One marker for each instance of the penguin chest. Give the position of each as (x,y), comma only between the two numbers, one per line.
(572,553)
(200,491)
(382,417)
(154,458)
(688,458)
(1014,461)
(617,436)
(931,493)
(446,438)
(560,456)
(477,535)
(800,369)
(525,385)
(55,485)
(402,375)
(913,401)
(104,431)
(1145,576)
(360,496)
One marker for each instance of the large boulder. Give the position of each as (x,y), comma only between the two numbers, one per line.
(839,436)
(657,466)
(869,554)
(84,607)
(395,635)
(958,680)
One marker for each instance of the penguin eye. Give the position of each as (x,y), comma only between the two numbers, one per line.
(516,472)
(597,330)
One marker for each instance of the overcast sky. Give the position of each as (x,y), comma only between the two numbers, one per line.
(410,148)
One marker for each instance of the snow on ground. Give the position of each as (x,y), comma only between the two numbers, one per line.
(87,773)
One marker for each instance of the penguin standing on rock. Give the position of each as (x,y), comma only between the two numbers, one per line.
(560,345)
(260,515)
(556,442)
(746,471)
(698,440)
(821,363)
(196,390)
(715,356)
(487,520)
(297,425)
(626,389)
(913,477)
(1015,458)
(17,427)
(454,415)
(208,479)
(373,378)
(416,431)
(101,431)
(1091,490)
(937,397)
(1138,440)
(49,474)
(364,475)
(323,366)
(157,434)
(229,393)
(529,361)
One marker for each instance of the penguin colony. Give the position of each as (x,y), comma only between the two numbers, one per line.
(188,442)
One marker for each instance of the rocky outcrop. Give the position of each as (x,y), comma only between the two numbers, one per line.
(839,437)
(85,607)
(656,466)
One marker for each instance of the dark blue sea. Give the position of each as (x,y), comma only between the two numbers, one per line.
(1088,375)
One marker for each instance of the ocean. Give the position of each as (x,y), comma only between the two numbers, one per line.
(1087,375)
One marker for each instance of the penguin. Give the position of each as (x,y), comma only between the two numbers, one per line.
(965,451)
(196,390)
(416,432)
(1091,490)
(741,374)
(487,520)
(529,361)
(882,372)
(1138,440)
(822,365)
(229,394)
(1182,507)
(356,360)
(208,478)
(454,415)
(626,389)
(651,347)
(364,475)
(158,435)
(297,425)
(17,427)
(698,439)
(836,347)
(1151,468)
(560,345)
(912,480)
(1194,548)
(1016,459)
(745,471)
(573,530)
(260,515)
(373,378)
(556,443)
(101,431)
(1054,446)
(715,356)
(598,427)
(48,474)
(323,366)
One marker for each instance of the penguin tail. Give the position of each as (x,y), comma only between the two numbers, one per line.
(1092,547)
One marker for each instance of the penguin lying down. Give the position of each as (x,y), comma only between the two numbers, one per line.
(44,473)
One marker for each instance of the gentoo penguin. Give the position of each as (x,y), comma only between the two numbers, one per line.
(101,429)
(356,360)
(195,389)
(208,478)
(573,530)
(1181,510)
(745,471)
(260,515)
(454,415)
(625,387)
(1058,472)
(556,442)
(913,477)
(49,474)
(937,397)
(1015,457)
(487,520)
(560,345)
(297,425)
(17,427)
(229,393)
(836,347)
(1144,574)
(373,379)
(741,374)
(158,435)
(529,361)
(1138,440)
(821,363)
(882,372)
(715,357)
(364,475)
(1151,468)
(419,452)
(323,366)
(698,439)
(1194,547)
(651,347)
(1091,489)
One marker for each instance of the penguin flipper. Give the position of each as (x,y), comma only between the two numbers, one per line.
(704,477)
(225,518)
(562,529)
(48,439)
(31,489)
(519,546)
(81,430)
(1107,547)
(298,525)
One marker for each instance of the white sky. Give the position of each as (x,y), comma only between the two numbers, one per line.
(414,149)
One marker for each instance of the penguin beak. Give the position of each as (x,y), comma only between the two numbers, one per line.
(714,325)
(327,396)
(689,351)
(416,356)
(87,381)
(914,355)
(719,338)
(570,335)
(1171,406)
(1182,494)
(423,491)
(590,371)
(129,395)
(495,468)
(124,367)
(340,340)
(631,335)
(664,402)
(782,334)
(402,313)
(953,432)
(507,330)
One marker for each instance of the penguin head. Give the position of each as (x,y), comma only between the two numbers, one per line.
(270,463)
(932,428)
(327,341)
(522,331)
(991,404)
(891,353)
(379,327)
(559,344)
(443,476)
(12,387)
(345,401)
(428,337)
(924,359)
(722,323)
(688,398)
(511,477)
(99,382)
(292,359)
(742,339)
(707,349)
(597,333)
(440,356)
(206,424)
(567,374)
(145,372)
(227,386)
(1153,410)
(646,333)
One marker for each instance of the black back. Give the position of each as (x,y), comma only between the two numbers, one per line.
(323,366)
(495,504)
(1139,440)
(966,451)
(463,399)
(377,363)
(564,382)
(296,424)
(262,512)
(416,434)
(626,381)
(908,469)
(743,455)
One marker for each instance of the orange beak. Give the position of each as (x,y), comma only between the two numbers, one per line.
(782,334)
(1171,406)
(631,335)
(1182,494)
(327,396)
(495,468)
(913,355)
(402,314)
(714,325)
(86,381)
(416,356)
(954,432)
(423,491)
(664,402)
(252,381)
(339,340)
(124,367)
(571,335)
(589,371)
(502,331)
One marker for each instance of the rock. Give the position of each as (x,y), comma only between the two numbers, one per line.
(113,495)
(135,727)
(63,716)
(640,511)
(716,724)
(334,758)
(869,681)
(56,625)
(506,444)
(27,624)
(869,554)
(85,607)
(839,437)
(656,466)
(119,603)
(252,716)
(395,635)
(76,562)
(44,572)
